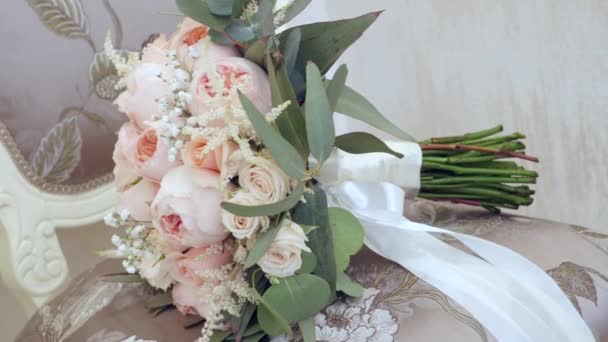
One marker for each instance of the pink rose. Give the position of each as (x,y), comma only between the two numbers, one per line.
(232,72)
(144,89)
(156,52)
(195,48)
(137,198)
(214,160)
(187,208)
(189,266)
(189,300)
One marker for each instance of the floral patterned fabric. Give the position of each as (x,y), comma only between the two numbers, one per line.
(396,305)
(59,109)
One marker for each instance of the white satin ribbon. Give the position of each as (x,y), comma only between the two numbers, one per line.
(513,298)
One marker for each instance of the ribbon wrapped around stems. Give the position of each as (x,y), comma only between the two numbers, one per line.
(513,298)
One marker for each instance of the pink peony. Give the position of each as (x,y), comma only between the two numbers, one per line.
(144,89)
(188,300)
(232,72)
(156,52)
(189,266)
(214,160)
(194,47)
(137,198)
(187,208)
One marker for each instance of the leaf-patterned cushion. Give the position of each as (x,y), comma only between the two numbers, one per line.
(58,86)
(396,306)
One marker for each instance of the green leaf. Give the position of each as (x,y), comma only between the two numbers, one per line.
(160,300)
(307,327)
(309,262)
(254,338)
(323,43)
(290,49)
(358,107)
(262,22)
(307,229)
(199,11)
(295,298)
(361,142)
(314,213)
(220,38)
(219,336)
(286,156)
(336,86)
(348,236)
(274,321)
(261,246)
(240,324)
(291,122)
(319,116)
(191,321)
(220,7)
(348,286)
(257,51)
(267,209)
(294,9)
(237,8)
(240,31)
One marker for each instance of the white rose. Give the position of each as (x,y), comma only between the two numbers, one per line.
(244,227)
(284,257)
(156,269)
(264,180)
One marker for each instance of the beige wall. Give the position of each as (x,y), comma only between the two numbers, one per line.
(538,66)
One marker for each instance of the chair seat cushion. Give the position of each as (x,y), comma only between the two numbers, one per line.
(396,305)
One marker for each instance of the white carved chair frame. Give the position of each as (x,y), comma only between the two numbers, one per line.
(31,210)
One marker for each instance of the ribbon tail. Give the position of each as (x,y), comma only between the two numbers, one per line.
(510,296)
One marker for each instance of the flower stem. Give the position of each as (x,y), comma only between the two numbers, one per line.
(478,171)
(459,147)
(480,179)
(468,136)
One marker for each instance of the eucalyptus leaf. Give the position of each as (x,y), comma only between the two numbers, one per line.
(160,300)
(309,262)
(240,31)
(319,116)
(191,321)
(199,11)
(285,155)
(219,336)
(241,324)
(220,37)
(220,7)
(336,86)
(321,240)
(358,107)
(295,298)
(262,21)
(348,286)
(254,338)
(348,236)
(323,43)
(291,122)
(274,320)
(290,49)
(307,327)
(267,209)
(238,6)
(261,246)
(257,51)
(362,142)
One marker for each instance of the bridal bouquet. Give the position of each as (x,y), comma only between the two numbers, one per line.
(220,168)
(229,124)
